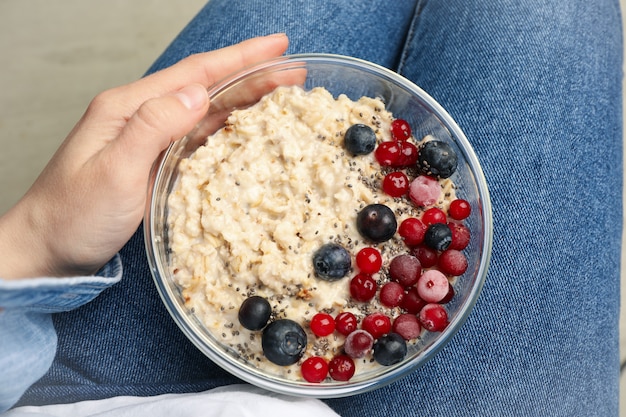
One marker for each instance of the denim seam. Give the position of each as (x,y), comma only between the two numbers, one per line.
(419,5)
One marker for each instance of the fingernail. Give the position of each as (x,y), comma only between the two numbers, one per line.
(193,96)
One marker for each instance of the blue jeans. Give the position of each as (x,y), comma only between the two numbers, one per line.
(536,86)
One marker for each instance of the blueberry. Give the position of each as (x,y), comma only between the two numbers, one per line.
(254,313)
(283,342)
(390,349)
(438,236)
(359,139)
(331,262)
(377,223)
(437,159)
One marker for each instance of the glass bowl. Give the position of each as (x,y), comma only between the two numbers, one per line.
(354,78)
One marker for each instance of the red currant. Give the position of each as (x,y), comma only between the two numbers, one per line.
(345,323)
(322,324)
(341,368)
(427,256)
(391,294)
(376,324)
(369,260)
(400,130)
(314,369)
(363,287)
(388,153)
(459,209)
(434,317)
(396,184)
(432,286)
(412,231)
(433,215)
(460,236)
(452,262)
(424,191)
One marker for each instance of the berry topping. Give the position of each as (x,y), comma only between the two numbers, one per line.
(459,209)
(407,325)
(412,303)
(283,342)
(452,262)
(424,191)
(376,222)
(434,215)
(345,323)
(341,368)
(396,184)
(412,231)
(427,256)
(390,349)
(363,287)
(359,139)
(331,262)
(369,260)
(405,269)
(388,153)
(314,369)
(358,344)
(322,324)
(376,324)
(437,158)
(433,317)
(438,236)
(254,313)
(400,129)
(460,236)
(432,286)
(448,296)
(391,294)
(408,155)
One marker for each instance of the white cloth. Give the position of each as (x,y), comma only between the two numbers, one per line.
(228,401)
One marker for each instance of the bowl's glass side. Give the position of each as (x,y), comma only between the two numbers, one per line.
(339,75)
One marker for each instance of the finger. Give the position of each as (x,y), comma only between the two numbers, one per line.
(204,68)
(153,127)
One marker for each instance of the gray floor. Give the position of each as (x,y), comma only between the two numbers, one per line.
(55,56)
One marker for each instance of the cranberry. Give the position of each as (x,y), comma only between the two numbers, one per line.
(433,215)
(412,303)
(405,269)
(396,184)
(434,317)
(407,326)
(358,344)
(368,260)
(341,368)
(345,323)
(460,236)
(322,324)
(459,209)
(388,153)
(314,369)
(400,129)
(376,324)
(432,286)
(426,255)
(363,287)
(391,294)
(452,262)
(424,191)
(412,231)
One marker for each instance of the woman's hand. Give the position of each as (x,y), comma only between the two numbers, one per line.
(91,197)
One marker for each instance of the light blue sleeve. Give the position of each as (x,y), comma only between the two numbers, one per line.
(28,340)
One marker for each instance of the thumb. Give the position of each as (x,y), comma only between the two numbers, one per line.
(157,123)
